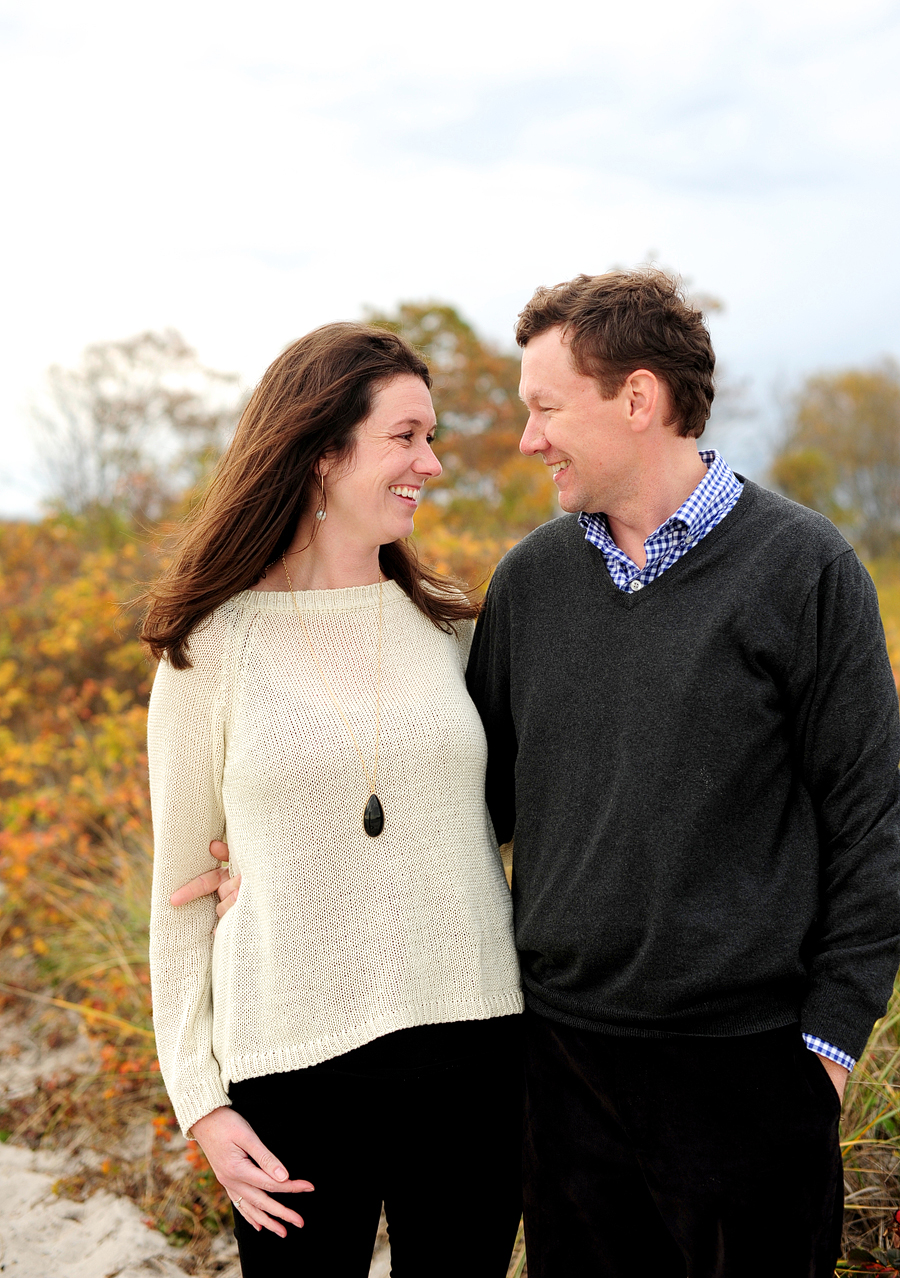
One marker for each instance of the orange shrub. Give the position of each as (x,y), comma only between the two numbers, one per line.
(73,798)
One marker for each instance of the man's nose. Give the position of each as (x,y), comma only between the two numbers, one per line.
(532,440)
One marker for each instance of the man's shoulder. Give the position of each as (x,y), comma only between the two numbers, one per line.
(540,548)
(788,516)
(783,528)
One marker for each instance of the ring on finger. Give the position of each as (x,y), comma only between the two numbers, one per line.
(237,1201)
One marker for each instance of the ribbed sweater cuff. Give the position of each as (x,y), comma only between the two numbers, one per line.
(198,1102)
(838,1022)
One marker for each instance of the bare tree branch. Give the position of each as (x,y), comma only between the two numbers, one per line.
(133,425)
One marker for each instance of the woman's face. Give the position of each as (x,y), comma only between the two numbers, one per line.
(372,495)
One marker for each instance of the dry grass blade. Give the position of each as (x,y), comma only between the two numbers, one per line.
(517,1264)
(84,1009)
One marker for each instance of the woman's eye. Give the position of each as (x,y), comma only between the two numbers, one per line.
(430,439)
(409,436)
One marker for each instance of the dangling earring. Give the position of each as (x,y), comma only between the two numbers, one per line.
(321,513)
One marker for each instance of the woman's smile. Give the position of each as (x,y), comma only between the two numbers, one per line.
(407,493)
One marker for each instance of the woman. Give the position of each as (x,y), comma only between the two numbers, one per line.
(348,1030)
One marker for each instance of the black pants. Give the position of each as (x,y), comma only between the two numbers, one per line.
(706,1157)
(427,1121)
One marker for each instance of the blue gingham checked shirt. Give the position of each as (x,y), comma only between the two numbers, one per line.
(708,504)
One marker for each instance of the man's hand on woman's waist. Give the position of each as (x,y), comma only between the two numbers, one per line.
(219,881)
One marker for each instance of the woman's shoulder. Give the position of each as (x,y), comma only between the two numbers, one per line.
(209,641)
(459,630)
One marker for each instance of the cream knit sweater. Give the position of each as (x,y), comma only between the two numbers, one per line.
(336,938)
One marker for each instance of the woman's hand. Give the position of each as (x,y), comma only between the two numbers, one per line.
(247,1170)
(212,881)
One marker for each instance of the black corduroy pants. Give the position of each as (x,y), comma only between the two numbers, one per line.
(682,1157)
(427,1121)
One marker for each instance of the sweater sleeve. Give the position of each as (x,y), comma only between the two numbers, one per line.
(186,755)
(849,743)
(464,632)
(487,677)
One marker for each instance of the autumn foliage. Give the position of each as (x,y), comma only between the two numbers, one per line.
(73,690)
(75,849)
(840,454)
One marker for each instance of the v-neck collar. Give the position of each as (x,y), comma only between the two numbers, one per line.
(630,599)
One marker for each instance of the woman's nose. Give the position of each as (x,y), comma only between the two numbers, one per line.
(427,463)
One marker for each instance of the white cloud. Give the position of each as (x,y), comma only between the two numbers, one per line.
(245,173)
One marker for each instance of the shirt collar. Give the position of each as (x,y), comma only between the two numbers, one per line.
(717,488)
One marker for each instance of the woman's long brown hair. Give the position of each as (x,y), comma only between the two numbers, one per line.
(308,403)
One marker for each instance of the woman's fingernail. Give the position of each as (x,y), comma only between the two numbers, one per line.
(280,1173)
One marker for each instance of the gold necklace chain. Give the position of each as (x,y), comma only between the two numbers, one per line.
(374,814)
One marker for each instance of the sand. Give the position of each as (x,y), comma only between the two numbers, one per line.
(43,1235)
(46,1236)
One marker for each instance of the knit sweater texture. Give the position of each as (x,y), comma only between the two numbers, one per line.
(702,780)
(336,938)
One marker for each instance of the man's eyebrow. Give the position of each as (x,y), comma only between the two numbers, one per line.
(537,394)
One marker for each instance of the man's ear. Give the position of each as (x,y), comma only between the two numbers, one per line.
(643,398)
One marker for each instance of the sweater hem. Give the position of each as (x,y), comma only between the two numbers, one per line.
(303,1055)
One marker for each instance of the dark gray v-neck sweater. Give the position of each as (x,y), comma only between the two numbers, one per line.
(702,778)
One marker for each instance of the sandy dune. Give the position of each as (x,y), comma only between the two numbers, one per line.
(43,1235)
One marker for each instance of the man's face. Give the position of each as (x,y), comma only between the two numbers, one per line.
(584,439)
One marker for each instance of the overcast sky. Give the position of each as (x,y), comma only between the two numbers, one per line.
(244,172)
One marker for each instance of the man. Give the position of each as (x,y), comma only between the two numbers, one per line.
(693,734)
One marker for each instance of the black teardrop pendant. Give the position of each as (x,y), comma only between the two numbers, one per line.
(373,817)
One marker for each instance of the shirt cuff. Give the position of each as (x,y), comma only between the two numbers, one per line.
(828,1050)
